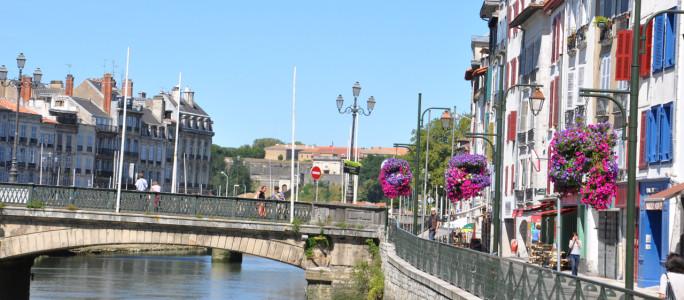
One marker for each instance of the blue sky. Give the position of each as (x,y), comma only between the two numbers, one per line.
(239,56)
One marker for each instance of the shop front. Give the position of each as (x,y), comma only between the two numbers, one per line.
(653,233)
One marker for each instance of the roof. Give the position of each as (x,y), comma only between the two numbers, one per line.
(668,193)
(385,151)
(488,8)
(90,107)
(551,5)
(96,84)
(187,108)
(287,147)
(470,74)
(525,14)
(148,117)
(46,120)
(12,106)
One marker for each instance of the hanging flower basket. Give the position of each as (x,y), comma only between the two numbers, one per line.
(583,161)
(395,178)
(466,176)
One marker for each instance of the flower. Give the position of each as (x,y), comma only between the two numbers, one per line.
(582,161)
(395,178)
(466,176)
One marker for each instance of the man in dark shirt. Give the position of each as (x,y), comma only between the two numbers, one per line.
(434,223)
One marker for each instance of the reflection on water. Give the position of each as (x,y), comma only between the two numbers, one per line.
(164,277)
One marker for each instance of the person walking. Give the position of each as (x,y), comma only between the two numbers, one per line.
(261,194)
(672,282)
(575,246)
(536,234)
(155,187)
(277,195)
(141,183)
(433,222)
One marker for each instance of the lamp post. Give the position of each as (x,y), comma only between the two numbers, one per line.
(37,75)
(417,159)
(224,174)
(354,110)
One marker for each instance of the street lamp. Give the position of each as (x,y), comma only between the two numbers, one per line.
(37,75)
(354,110)
(536,101)
(224,174)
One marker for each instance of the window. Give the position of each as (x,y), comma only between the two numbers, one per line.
(34,131)
(22,151)
(77,162)
(23,131)
(79,140)
(2,153)
(12,129)
(67,162)
(580,82)
(42,137)
(51,138)
(143,153)
(658,141)
(32,156)
(664,41)
(3,129)
(610,8)
(89,163)
(159,153)
(150,154)
(90,141)
(68,140)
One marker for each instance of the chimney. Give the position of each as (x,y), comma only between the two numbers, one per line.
(189,96)
(142,94)
(107,92)
(69,89)
(127,88)
(26,89)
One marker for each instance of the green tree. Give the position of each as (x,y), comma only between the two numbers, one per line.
(370,189)
(265,142)
(239,174)
(440,150)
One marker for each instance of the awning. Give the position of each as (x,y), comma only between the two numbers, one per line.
(471,74)
(518,212)
(667,194)
(552,213)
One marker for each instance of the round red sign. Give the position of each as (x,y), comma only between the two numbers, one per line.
(316,173)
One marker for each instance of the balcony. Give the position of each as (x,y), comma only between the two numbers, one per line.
(159,163)
(10,139)
(205,157)
(21,164)
(79,148)
(50,145)
(106,128)
(521,138)
(530,136)
(67,148)
(580,111)
(103,173)
(22,139)
(142,161)
(131,153)
(105,151)
(3,138)
(33,141)
(529,193)
(88,171)
(32,165)
(78,170)
(606,33)
(89,149)
(520,196)
(169,159)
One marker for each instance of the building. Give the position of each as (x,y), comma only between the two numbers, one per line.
(565,46)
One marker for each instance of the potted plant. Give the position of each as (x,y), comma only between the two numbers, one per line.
(395,178)
(601,22)
(466,176)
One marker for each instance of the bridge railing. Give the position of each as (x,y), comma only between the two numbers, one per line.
(155,203)
(492,277)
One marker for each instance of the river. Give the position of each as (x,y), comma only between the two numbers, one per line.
(164,277)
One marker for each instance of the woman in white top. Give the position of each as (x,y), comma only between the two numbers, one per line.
(675,275)
(575,246)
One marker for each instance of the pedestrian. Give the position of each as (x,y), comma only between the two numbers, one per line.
(277,195)
(536,234)
(155,187)
(575,246)
(261,194)
(672,282)
(141,183)
(433,222)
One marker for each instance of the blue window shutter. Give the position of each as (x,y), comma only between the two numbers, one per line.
(652,136)
(666,132)
(670,40)
(658,39)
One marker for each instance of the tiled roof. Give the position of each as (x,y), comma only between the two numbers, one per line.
(148,117)
(12,106)
(90,107)
(46,120)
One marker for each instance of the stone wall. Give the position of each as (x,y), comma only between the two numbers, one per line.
(403,281)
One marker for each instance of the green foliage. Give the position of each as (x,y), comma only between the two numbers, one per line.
(3,205)
(326,192)
(71,207)
(198,216)
(295,224)
(280,157)
(367,277)
(314,241)
(35,203)
(219,155)
(342,224)
(370,189)
(266,142)
(360,227)
(440,150)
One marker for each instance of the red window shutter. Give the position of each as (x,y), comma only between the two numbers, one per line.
(623,55)
(512,178)
(512,122)
(506,183)
(642,142)
(556,108)
(551,102)
(645,59)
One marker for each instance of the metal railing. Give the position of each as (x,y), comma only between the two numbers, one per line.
(491,277)
(156,203)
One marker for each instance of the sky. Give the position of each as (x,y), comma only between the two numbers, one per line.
(239,58)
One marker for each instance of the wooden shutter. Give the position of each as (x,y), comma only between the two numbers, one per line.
(645,59)
(560,37)
(642,141)
(623,56)
(665,132)
(512,120)
(556,103)
(548,169)
(554,35)
(580,82)
(670,40)
(658,40)
(652,135)
(506,182)
(551,101)
(569,96)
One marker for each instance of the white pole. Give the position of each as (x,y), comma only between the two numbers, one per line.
(294,85)
(174,185)
(41,164)
(347,175)
(297,186)
(59,170)
(123,132)
(355,148)
(219,190)
(427,150)
(73,177)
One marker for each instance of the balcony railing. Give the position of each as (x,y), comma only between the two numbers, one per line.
(521,137)
(105,151)
(520,196)
(529,193)
(530,136)
(79,148)
(106,128)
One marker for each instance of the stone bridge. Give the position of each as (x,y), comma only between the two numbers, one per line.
(26,233)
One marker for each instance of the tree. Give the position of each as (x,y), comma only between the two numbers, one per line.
(239,174)
(266,142)
(440,150)
(370,189)
(280,157)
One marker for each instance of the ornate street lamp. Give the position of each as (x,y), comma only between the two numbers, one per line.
(18,83)
(354,110)
(536,101)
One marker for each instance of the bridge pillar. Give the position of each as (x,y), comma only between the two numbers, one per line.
(226,256)
(319,283)
(15,278)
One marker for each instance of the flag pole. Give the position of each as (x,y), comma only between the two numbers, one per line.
(174,185)
(294,85)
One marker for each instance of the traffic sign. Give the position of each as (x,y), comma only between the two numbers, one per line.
(316,173)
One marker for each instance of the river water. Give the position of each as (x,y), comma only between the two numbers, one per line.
(164,277)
